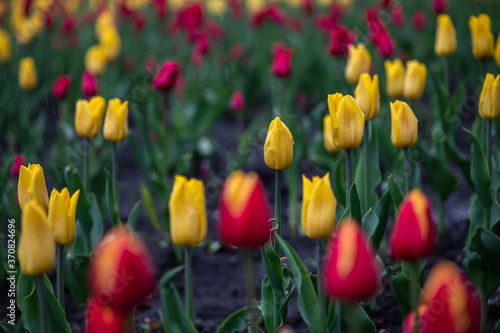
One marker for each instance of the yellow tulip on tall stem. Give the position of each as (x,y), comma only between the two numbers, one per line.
(446,41)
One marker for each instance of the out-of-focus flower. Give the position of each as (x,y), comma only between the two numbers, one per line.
(446,36)
(318,207)
(419,20)
(188,218)
(5,47)
(271,14)
(237,101)
(351,271)
(89,85)
(216,7)
(438,6)
(340,39)
(166,77)
(88,117)
(95,60)
(482,38)
(200,49)
(282,61)
(116,121)
(31,186)
(190,18)
(214,31)
(68,25)
(244,211)
(404,125)
(16,165)
(160,9)
(330,20)
(140,21)
(122,273)
(497,51)
(278,148)
(414,81)
(328,135)
(110,42)
(104,21)
(367,96)
(394,76)
(398,16)
(385,44)
(254,6)
(358,62)
(28,78)
(347,121)
(413,235)
(102,318)
(62,212)
(61,86)
(489,102)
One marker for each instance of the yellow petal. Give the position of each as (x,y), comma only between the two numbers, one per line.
(404,125)
(116,121)
(486,99)
(328,135)
(278,148)
(367,96)
(319,215)
(351,121)
(23,185)
(414,81)
(37,189)
(394,72)
(446,36)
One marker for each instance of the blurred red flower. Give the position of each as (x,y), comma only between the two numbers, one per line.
(419,20)
(160,7)
(282,61)
(237,101)
(61,86)
(101,318)
(439,6)
(166,77)
(340,38)
(16,165)
(90,86)
(271,14)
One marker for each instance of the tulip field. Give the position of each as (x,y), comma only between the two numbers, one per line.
(183,166)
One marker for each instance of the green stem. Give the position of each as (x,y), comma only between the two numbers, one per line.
(321,293)
(114,171)
(60,275)
(487,215)
(40,285)
(277,210)
(415,296)
(282,99)
(86,182)
(338,314)
(249,276)
(366,192)
(447,73)
(188,284)
(407,170)
(348,178)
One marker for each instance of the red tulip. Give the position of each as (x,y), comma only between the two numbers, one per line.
(16,165)
(190,18)
(371,14)
(122,273)
(237,101)
(244,217)
(419,20)
(351,271)
(271,14)
(139,22)
(450,303)
(413,235)
(385,44)
(340,38)
(89,85)
(61,86)
(439,6)
(282,62)
(68,24)
(166,77)
(27,7)
(104,319)
(308,6)
(330,20)
(398,16)
(160,9)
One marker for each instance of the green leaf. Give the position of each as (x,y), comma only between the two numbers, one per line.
(75,271)
(8,328)
(382,210)
(134,213)
(354,210)
(112,205)
(355,319)
(149,204)
(235,322)
(402,287)
(273,267)
(74,183)
(98,223)
(497,326)
(396,193)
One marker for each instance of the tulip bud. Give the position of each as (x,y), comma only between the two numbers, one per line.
(244,211)
(166,77)
(104,21)
(359,61)
(28,78)
(62,211)
(328,135)
(5,47)
(88,117)
(351,271)
(278,148)
(318,207)
(16,165)
(122,273)
(37,250)
(414,81)
(102,318)
(347,121)
(489,102)
(446,36)
(116,121)
(413,235)
(419,20)
(340,38)
(439,6)
(31,186)
(394,75)
(89,84)
(188,219)
(237,101)
(404,125)
(282,61)
(61,86)
(367,96)
(110,41)
(95,60)
(482,38)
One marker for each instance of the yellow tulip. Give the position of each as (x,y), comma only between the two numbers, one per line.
(28,78)
(394,76)
(111,43)
(328,135)
(37,250)
(497,51)
(104,21)
(489,102)
(347,121)
(253,6)
(95,60)
(278,148)
(5,47)
(318,207)
(88,117)
(62,211)
(188,218)
(358,62)
(482,38)
(367,96)
(414,81)
(446,36)
(404,125)
(116,122)
(216,7)
(31,186)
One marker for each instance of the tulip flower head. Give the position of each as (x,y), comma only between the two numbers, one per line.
(340,39)
(489,102)
(88,117)
(347,121)
(110,42)
(116,121)
(482,38)
(31,186)
(318,207)
(244,217)
(89,84)
(37,250)
(328,135)
(359,61)
(28,78)
(16,165)
(282,61)
(404,125)
(166,77)
(61,86)
(414,81)
(188,218)
(419,20)
(278,148)
(394,75)
(5,47)
(367,96)
(101,318)
(95,60)
(62,211)
(446,36)
(104,21)
(351,271)
(237,101)
(413,236)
